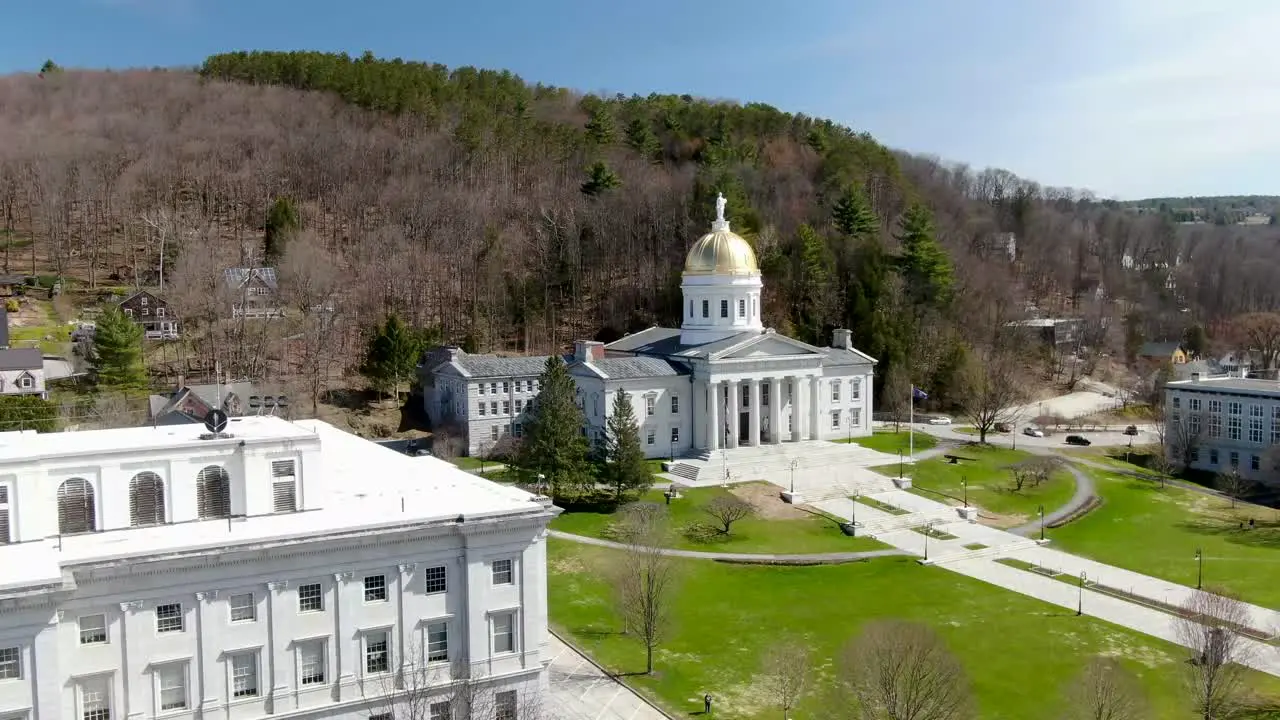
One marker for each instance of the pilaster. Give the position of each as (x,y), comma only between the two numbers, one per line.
(346,650)
(279,670)
(815,400)
(753,426)
(135,628)
(775,411)
(797,414)
(206,664)
(735,412)
(714,433)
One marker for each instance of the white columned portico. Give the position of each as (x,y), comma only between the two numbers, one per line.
(797,398)
(713,416)
(735,412)
(815,428)
(775,411)
(756,409)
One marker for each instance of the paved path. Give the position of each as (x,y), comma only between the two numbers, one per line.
(579,690)
(748,557)
(1084,494)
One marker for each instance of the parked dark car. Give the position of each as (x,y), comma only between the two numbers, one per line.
(1004,427)
(1078,440)
(1131,430)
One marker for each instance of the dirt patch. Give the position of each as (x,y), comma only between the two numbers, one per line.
(767,501)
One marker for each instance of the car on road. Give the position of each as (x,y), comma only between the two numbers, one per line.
(940,420)
(1032,432)
(1004,427)
(1078,440)
(1131,430)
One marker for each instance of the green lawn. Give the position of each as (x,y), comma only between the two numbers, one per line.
(1019,652)
(887,441)
(34,335)
(989,480)
(800,532)
(1155,531)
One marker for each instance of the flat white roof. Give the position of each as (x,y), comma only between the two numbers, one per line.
(1228,383)
(369,487)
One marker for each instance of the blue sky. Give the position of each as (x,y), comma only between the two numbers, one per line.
(1130,98)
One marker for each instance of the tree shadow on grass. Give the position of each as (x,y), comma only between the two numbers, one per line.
(1264,534)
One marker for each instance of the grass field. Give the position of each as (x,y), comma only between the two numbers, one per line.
(776,528)
(887,441)
(1155,531)
(989,480)
(1019,653)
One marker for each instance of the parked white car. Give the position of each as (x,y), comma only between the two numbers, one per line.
(1032,432)
(940,420)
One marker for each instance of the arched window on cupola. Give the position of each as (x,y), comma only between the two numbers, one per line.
(77,512)
(213,493)
(146,499)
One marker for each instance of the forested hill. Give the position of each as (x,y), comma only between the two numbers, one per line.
(517,216)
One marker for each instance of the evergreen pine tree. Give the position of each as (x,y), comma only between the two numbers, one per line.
(599,179)
(391,355)
(117,352)
(27,412)
(641,138)
(926,269)
(553,445)
(853,215)
(867,298)
(601,129)
(625,467)
(282,223)
(814,298)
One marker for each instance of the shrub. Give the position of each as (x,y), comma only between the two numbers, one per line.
(11,305)
(701,533)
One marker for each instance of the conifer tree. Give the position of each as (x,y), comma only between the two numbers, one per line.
(599,179)
(601,129)
(282,223)
(27,412)
(117,352)
(926,269)
(625,467)
(391,355)
(853,215)
(554,446)
(642,139)
(814,296)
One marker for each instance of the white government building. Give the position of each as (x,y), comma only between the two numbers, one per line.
(1225,422)
(718,382)
(275,569)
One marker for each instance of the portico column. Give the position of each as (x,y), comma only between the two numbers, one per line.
(753,427)
(713,416)
(775,411)
(815,429)
(735,411)
(796,398)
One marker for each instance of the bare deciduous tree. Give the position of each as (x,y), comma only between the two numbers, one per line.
(309,286)
(418,690)
(1105,690)
(785,674)
(1180,434)
(993,388)
(727,510)
(1206,628)
(1036,470)
(1233,485)
(896,670)
(1259,334)
(645,578)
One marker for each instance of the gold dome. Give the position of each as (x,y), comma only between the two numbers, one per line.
(721,252)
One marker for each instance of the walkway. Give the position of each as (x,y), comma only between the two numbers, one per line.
(815,558)
(1085,492)
(579,690)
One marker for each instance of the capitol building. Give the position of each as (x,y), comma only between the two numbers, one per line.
(719,382)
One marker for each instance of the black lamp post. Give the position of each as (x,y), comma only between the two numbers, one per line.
(853,518)
(899,463)
(1041,511)
(928,530)
(1199,569)
(1080,606)
(964,485)
(673,450)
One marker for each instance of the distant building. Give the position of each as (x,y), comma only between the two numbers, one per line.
(11,285)
(253,292)
(1052,332)
(1225,422)
(191,403)
(152,313)
(21,369)
(1159,353)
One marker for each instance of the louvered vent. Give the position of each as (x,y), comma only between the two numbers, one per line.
(214,493)
(146,499)
(284,486)
(76,511)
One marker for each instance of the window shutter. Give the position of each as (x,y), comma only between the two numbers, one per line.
(4,526)
(284,487)
(214,493)
(76,512)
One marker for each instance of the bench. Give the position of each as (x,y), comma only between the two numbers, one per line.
(955,459)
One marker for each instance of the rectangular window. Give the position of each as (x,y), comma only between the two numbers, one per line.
(439,711)
(436,579)
(517,429)
(1233,407)
(169,618)
(146,312)
(1193,424)
(376,655)
(519,406)
(311,662)
(128,312)
(1177,402)
(855,417)
(651,437)
(746,396)
(1215,406)
(504,632)
(244,674)
(243,608)
(481,408)
(143,301)
(835,391)
(1255,462)
(1193,404)
(724,308)
(494,433)
(1235,459)
(493,407)
(519,386)
(764,393)
(1195,455)
(648,405)
(482,388)
(855,388)
(1213,456)
(95,698)
(381,716)
(375,588)
(493,388)
(159,312)
(1215,425)
(835,418)
(675,435)
(284,486)
(172,682)
(1233,427)
(10,663)
(506,388)
(93,629)
(706,308)
(506,407)
(1255,430)
(1275,434)
(437,641)
(502,572)
(742,307)
(504,705)
(675,404)
(310,598)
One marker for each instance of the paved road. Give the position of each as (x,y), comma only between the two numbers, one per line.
(747,557)
(1146,435)
(581,691)
(1084,493)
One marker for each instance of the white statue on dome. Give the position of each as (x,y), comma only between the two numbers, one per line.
(720,203)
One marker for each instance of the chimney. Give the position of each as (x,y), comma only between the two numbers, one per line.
(842,339)
(588,350)
(1195,377)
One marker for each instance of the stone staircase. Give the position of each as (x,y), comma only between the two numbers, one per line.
(869,486)
(894,523)
(684,471)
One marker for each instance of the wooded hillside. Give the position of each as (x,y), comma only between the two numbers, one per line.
(516,216)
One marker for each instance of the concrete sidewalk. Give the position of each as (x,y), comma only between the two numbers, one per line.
(580,691)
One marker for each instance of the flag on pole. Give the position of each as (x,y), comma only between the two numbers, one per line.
(918,394)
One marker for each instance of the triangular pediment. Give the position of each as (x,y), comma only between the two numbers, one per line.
(769,345)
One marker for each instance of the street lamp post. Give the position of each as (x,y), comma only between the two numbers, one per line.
(1080,606)
(1199,569)
(853,518)
(1040,509)
(899,463)
(673,451)
(794,463)
(928,530)
(964,485)
(542,481)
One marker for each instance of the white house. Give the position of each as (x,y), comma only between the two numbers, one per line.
(22,372)
(720,381)
(278,568)
(1225,422)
